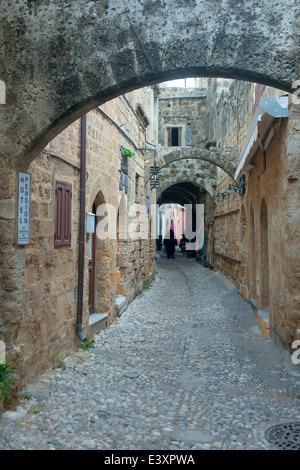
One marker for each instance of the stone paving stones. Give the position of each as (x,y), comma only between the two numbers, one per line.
(184,367)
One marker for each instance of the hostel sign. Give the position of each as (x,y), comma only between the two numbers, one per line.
(24,190)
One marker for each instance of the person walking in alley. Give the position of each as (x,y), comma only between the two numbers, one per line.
(182,243)
(170,243)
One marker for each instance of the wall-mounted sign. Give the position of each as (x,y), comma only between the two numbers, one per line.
(90,222)
(24,194)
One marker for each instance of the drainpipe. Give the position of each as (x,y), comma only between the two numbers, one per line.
(79,328)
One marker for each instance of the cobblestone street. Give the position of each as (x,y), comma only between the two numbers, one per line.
(185,367)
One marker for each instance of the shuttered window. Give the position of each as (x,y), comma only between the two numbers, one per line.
(174,136)
(63,214)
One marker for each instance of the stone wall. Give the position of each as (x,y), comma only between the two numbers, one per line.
(226,231)
(256,239)
(273,199)
(39,288)
(228,118)
(184,108)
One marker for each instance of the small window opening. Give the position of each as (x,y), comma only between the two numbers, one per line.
(174,136)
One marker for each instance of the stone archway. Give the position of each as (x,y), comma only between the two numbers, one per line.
(225,158)
(188,195)
(121,248)
(61,59)
(199,173)
(105,267)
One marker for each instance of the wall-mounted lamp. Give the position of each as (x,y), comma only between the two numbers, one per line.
(233,187)
(241,186)
(216,196)
(154,180)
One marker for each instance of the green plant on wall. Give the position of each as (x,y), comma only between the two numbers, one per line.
(7,382)
(128,153)
(59,362)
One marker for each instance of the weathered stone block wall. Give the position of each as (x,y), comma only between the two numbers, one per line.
(228,118)
(226,230)
(260,231)
(48,295)
(229,111)
(185,111)
(39,281)
(198,172)
(277,183)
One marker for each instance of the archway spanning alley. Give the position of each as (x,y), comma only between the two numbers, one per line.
(39,110)
(74,68)
(187,209)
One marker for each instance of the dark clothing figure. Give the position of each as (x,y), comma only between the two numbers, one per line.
(182,243)
(159,242)
(170,243)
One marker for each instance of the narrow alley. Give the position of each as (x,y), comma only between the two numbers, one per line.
(185,367)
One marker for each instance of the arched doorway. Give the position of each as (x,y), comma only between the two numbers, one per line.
(243,234)
(252,256)
(91,265)
(196,219)
(121,245)
(264,259)
(243,271)
(104,268)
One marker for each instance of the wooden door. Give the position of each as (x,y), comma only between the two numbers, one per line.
(91,272)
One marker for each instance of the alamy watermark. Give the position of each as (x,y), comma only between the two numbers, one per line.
(295,358)
(138,222)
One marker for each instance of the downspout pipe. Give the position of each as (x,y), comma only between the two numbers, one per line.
(79,328)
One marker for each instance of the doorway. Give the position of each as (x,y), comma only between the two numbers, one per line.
(252,257)
(91,267)
(264,258)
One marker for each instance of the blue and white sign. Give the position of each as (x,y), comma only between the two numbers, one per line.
(24,194)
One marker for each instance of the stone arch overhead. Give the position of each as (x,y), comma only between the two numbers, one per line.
(174,194)
(61,59)
(169,182)
(203,174)
(224,157)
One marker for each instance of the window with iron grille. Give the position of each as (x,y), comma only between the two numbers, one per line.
(63,214)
